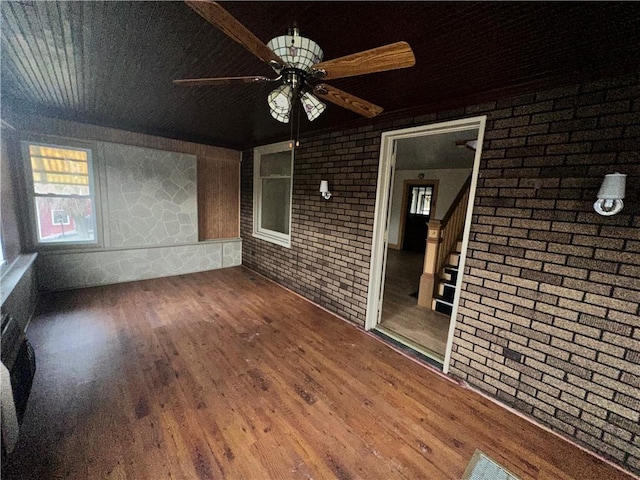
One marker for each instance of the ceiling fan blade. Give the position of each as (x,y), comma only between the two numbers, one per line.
(346,100)
(220,18)
(389,57)
(199,82)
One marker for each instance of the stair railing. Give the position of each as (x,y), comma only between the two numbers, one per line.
(442,236)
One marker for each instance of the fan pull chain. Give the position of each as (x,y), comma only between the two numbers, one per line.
(291,143)
(298,130)
(294,141)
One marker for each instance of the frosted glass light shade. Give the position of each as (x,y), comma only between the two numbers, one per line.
(324,189)
(296,51)
(312,106)
(610,195)
(280,103)
(613,186)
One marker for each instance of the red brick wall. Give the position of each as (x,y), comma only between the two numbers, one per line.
(549,313)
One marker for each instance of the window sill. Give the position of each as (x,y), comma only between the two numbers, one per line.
(12,274)
(283,242)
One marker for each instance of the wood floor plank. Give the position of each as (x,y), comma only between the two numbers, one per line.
(400,311)
(226,375)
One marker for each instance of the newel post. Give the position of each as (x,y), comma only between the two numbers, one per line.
(429,270)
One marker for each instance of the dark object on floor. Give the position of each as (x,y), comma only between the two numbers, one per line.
(414,294)
(22,375)
(19,358)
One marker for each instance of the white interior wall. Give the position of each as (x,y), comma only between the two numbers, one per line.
(450,181)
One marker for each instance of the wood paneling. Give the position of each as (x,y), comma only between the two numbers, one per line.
(224,374)
(218,198)
(65,128)
(113,63)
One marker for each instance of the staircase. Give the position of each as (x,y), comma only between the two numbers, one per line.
(447,279)
(442,255)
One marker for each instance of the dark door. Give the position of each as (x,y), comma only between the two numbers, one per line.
(418,209)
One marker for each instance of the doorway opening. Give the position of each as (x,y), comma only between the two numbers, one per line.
(419,199)
(426,186)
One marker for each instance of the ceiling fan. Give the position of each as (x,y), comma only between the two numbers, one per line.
(298,63)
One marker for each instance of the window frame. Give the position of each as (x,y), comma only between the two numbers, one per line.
(2,259)
(94,189)
(271,236)
(420,201)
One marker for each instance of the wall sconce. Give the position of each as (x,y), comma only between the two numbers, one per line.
(611,194)
(324,189)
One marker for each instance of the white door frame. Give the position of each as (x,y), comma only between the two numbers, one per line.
(386,169)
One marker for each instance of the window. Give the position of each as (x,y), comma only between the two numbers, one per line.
(420,200)
(62,195)
(273,179)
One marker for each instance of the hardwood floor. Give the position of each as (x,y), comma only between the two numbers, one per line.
(225,374)
(400,311)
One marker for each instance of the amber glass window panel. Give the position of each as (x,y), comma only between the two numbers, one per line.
(59,170)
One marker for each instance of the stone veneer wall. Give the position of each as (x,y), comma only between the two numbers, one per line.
(151,196)
(150,228)
(549,313)
(83,269)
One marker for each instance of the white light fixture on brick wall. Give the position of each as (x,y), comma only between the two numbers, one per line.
(611,194)
(324,189)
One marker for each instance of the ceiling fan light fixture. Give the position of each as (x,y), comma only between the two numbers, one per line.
(298,61)
(311,106)
(280,102)
(296,51)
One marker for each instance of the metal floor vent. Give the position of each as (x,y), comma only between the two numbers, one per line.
(482,467)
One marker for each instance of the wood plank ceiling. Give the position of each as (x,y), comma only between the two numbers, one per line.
(111,63)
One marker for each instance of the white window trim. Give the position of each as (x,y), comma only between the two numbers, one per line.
(269,235)
(93,188)
(2,259)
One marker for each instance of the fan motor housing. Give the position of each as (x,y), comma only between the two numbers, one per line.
(294,77)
